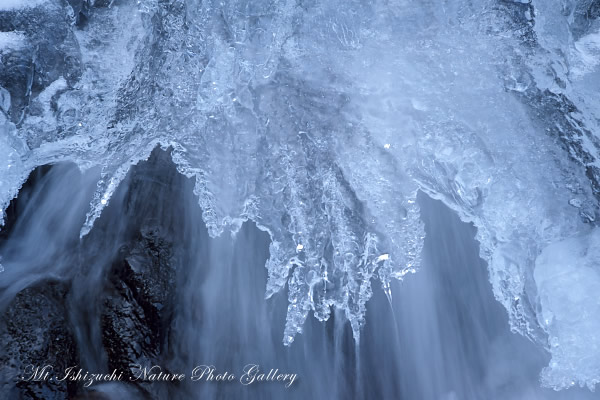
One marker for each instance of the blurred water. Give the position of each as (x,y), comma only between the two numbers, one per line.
(443,336)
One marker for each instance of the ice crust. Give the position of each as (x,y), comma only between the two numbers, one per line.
(567,276)
(6,5)
(321,121)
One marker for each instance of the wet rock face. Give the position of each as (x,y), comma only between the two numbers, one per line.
(136,313)
(138,304)
(33,330)
(131,304)
(135,319)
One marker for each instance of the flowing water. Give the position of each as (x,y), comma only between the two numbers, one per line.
(441,334)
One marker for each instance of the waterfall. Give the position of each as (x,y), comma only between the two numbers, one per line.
(360,199)
(150,287)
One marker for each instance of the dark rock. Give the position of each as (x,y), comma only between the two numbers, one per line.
(138,305)
(51,51)
(34,331)
(117,320)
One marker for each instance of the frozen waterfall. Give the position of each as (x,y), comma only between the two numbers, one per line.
(419,179)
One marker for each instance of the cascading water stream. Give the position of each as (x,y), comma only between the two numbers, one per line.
(442,335)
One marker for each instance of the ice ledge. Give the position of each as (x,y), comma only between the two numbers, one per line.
(567,274)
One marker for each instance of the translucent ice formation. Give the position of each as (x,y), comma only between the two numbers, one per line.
(567,275)
(321,121)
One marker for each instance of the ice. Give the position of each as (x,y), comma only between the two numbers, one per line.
(7,5)
(11,40)
(566,273)
(12,167)
(585,55)
(322,121)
